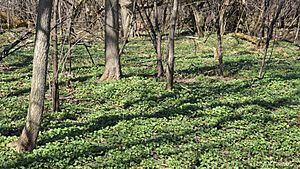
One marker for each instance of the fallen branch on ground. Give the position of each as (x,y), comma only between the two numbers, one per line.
(10,48)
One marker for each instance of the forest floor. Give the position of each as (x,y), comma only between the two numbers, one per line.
(206,121)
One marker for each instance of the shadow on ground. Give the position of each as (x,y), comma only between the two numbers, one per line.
(191,111)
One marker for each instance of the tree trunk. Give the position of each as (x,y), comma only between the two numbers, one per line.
(297,23)
(69,37)
(55,90)
(126,15)
(199,20)
(160,69)
(129,25)
(297,32)
(170,55)
(269,38)
(28,138)
(147,21)
(112,59)
(222,17)
(261,28)
(219,38)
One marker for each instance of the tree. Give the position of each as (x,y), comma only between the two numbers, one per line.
(55,87)
(155,30)
(218,25)
(263,16)
(222,10)
(160,69)
(28,138)
(112,59)
(215,7)
(269,38)
(198,18)
(126,14)
(170,55)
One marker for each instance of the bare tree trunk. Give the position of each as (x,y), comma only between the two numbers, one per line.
(298,23)
(126,16)
(199,21)
(160,69)
(269,38)
(170,55)
(70,28)
(28,138)
(297,32)
(219,50)
(74,12)
(55,87)
(222,12)
(112,59)
(261,28)
(147,21)
(8,17)
(129,29)
(155,34)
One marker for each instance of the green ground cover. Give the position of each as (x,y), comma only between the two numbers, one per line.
(206,121)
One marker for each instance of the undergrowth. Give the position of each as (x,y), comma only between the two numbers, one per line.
(207,121)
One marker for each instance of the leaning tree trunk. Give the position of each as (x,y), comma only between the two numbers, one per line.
(170,56)
(269,38)
(112,59)
(28,138)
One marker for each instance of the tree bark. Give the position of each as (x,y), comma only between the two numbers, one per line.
(261,28)
(222,17)
(219,49)
(199,21)
(297,23)
(112,59)
(160,69)
(55,87)
(27,140)
(297,32)
(129,25)
(170,55)
(126,15)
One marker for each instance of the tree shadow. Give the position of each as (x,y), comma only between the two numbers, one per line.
(197,70)
(8,68)
(13,79)
(86,67)
(289,76)
(172,111)
(19,92)
(27,60)
(9,80)
(81,78)
(99,123)
(232,67)
(139,75)
(8,132)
